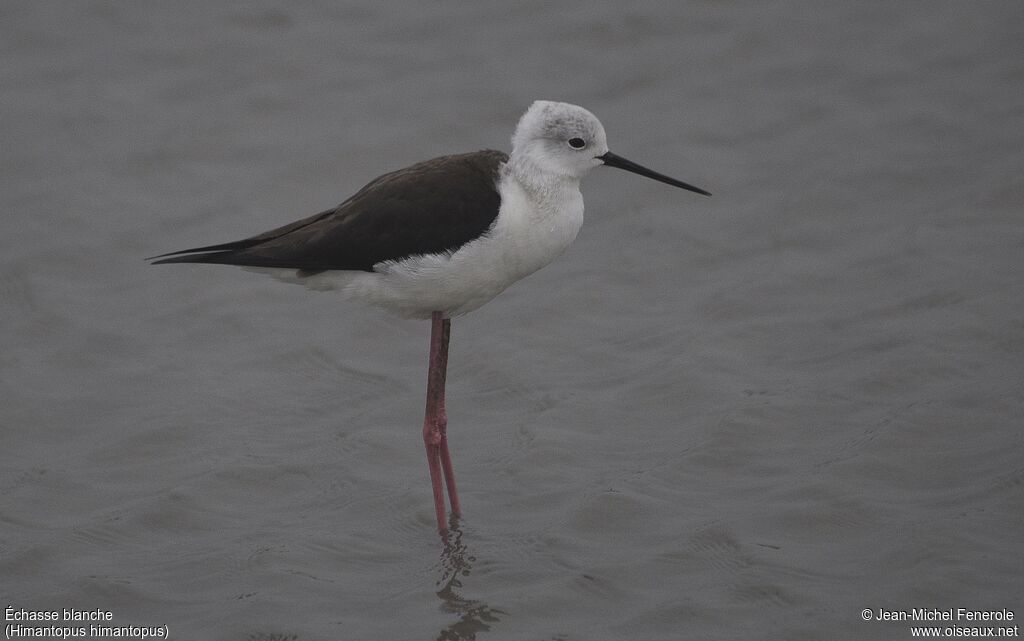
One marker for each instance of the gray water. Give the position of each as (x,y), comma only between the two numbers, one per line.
(745,417)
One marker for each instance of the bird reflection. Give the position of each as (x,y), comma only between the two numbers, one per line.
(456,562)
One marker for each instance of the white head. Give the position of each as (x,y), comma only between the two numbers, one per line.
(559,139)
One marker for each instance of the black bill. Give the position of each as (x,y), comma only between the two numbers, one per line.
(612,160)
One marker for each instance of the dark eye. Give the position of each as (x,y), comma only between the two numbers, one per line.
(577,143)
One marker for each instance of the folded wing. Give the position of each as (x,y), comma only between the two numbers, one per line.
(431,207)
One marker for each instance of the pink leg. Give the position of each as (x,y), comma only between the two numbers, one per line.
(435,421)
(442,421)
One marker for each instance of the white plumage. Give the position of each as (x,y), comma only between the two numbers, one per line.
(541,212)
(443,237)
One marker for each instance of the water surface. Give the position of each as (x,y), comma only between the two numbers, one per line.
(744,417)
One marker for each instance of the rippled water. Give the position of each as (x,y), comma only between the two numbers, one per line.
(750,416)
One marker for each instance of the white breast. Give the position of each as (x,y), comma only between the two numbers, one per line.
(533,227)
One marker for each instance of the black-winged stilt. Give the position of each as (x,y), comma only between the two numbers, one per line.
(442,237)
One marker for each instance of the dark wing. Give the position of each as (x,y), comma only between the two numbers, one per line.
(431,207)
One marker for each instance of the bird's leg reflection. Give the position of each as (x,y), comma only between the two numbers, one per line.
(456,562)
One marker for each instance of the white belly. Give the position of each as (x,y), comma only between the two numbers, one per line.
(528,234)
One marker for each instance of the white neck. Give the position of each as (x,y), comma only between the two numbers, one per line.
(542,184)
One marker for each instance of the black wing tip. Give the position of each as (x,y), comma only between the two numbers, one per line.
(216,254)
(154,260)
(236,259)
(198,251)
(181,256)
(184,257)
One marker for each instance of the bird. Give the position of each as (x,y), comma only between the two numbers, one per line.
(440,238)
